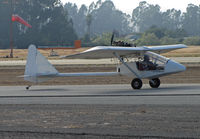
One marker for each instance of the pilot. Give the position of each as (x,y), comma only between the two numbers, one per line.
(148,65)
(146,58)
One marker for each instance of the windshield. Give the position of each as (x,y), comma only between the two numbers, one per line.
(151,61)
(156,58)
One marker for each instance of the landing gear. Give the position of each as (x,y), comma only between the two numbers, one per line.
(27,88)
(136,83)
(154,83)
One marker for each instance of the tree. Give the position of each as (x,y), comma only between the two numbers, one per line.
(78,17)
(167,40)
(192,40)
(89,21)
(148,39)
(105,18)
(159,32)
(103,39)
(5,23)
(47,19)
(146,15)
(191,21)
(172,19)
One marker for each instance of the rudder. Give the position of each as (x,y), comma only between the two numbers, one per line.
(37,66)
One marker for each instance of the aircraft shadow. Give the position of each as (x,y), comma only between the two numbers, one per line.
(143,91)
(49,90)
(153,90)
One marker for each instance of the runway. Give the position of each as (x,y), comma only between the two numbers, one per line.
(169,94)
(100,111)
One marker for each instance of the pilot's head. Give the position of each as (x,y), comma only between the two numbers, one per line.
(146,58)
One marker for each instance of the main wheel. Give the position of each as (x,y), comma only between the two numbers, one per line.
(154,83)
(136,83)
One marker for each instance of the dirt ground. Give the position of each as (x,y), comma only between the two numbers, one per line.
(99,122)
(9,76)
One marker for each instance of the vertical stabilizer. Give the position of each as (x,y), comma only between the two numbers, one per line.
(37,65)
(31,61)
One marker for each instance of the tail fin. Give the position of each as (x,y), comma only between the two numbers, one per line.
(37,65)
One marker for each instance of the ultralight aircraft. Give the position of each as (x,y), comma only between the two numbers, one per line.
(137,62)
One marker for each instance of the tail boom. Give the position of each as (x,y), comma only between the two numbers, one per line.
(38,69)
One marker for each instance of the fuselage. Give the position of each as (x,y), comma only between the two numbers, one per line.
(161,66)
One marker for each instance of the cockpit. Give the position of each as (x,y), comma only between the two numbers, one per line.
(151,61)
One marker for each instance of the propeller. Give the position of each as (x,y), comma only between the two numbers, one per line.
(112,38)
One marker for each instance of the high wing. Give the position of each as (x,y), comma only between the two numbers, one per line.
(99,52)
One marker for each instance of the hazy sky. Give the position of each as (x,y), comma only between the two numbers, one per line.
(128,5)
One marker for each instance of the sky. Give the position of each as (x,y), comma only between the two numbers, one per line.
(127,6)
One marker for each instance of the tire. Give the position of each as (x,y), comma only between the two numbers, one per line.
(136,83)
(155,83)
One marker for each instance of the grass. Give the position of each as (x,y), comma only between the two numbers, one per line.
(20,54)
(191,51)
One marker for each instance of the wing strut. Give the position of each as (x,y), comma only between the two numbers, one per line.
(131,70)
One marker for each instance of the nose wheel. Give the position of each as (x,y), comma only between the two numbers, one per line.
(136,83)
(154,83)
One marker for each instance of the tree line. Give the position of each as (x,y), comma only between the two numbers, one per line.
(147,20)
(56,24)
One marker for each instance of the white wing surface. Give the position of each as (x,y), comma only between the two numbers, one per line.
(99,52)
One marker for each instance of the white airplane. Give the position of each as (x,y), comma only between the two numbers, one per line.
(136,62)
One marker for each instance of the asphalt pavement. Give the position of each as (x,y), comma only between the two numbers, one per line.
(168,94)
(100,112)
